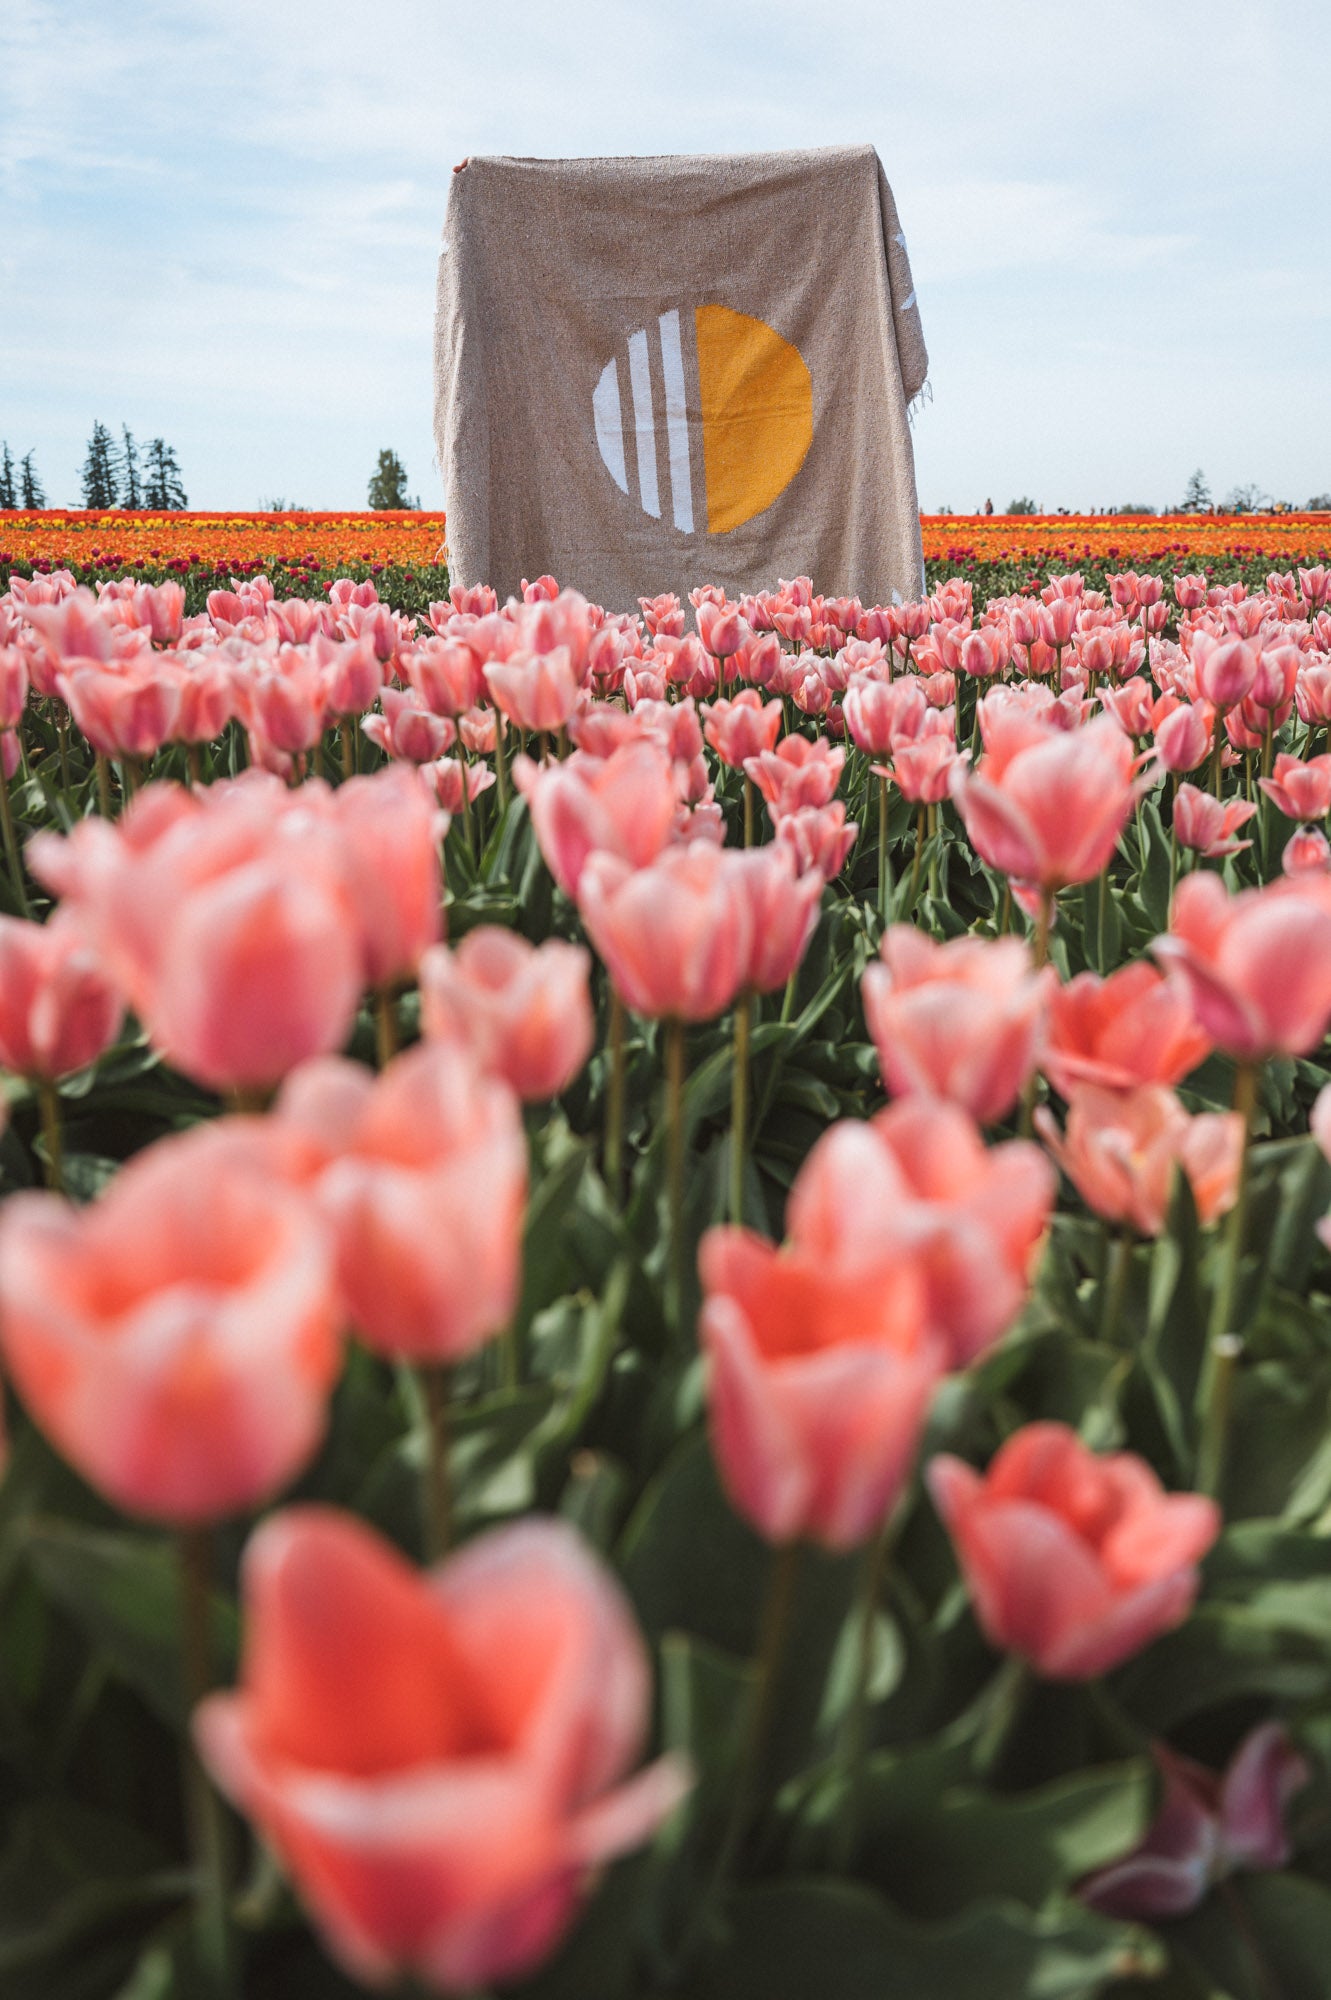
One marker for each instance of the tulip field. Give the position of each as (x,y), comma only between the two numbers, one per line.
(665,1271)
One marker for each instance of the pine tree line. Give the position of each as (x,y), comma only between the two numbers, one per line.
(114,475)
(22,489)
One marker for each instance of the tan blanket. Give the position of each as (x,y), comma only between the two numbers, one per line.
(656,373)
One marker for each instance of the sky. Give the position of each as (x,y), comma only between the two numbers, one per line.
(220,219)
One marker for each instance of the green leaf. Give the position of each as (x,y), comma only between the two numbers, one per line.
(824,1941)
(65,1870)
(123,1591)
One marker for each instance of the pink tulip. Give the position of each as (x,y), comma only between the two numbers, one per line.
(524,1010)
(960,1020)
(1301,790)
(820,1364)
(797,773)
(390,865)
(973,1216)
(421,1174)
(14,687)
(819,837)
(1207,1828)
(1226,669)
(881,714)
(1133,1027)
(448,780)
(623,805)
(537,691)
(1204,824)
(447,676)
(1183,737)
(1256,967)
(782,906)
(1315,586)
(125,709)
(225,920)
(176,1340)
(675,937)
(58,1010)
(407,730)
(1074,1562)
(1055,813)
(923,769)
(662,615)
(721,629)
(743,727)
(1306,852)
(437,1759)
(1121,1148)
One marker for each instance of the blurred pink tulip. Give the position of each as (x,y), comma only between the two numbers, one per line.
(390,865)
(1074,1562)
(1120,1150)
(537,691)
(1256,966)
(782,905)
(1055,813)
(1203,824)
(430,1137)
(524,1010)
(177,1339)
(819,837)
(1306,852)
(961,1020)
(1301,790)
(58,1010)
(407,730)
(437,1759)
(675,937)
(623,805)
(1134,1026)
(799,772)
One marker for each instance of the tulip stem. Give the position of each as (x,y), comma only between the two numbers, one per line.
(50,1111)
(202,1811)
(772,1635)
(1042,926)
(884,873)
(501,764)
(919,849)
(674,1055)
(739,1103)
(437,1486)
(1002,1705)
(748,810)
(1223,1344)
(62,746)
(855,1729)
(1118,1266)
(614,1095)
(12,855)
(385,1026)
(103,784)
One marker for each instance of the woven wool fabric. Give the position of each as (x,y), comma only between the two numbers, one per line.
(656,373)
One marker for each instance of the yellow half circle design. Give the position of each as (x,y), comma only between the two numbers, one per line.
(757,414)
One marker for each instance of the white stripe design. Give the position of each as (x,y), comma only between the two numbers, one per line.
(677,428)
(906,304)
(610,425)
(644,424)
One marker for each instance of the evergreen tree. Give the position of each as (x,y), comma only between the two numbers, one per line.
(388,487)
(32,491)
(163,490)
(8,489)
(99,472)
(1197,496)
(131,487)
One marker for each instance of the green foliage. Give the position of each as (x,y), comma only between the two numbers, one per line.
(388,483)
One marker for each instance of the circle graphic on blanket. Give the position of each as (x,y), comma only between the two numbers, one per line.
(747,395)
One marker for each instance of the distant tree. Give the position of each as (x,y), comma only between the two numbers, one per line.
(1022,507)
(8,488)
(163,489)
(282,507)
(1133,508)
(388,487)
(131,486)
(1196,495)
(32,491)
(1319,504)
(99,471)
(1249,499)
